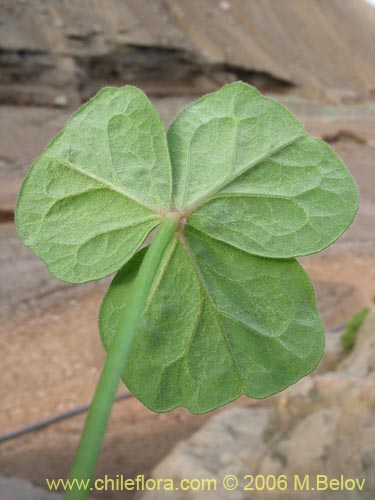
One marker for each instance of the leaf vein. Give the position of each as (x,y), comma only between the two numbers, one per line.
(100,180)
(204,287)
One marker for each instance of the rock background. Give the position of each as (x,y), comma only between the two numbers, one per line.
(316,57)
(322,425)
(58,53)
(20,489)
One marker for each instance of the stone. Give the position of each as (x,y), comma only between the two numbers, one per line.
(61,101)
(24,277)
(76,47)
(12,488)
(213,452)
(333,352)
(323,425)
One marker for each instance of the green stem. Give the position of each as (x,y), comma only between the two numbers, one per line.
(97,418)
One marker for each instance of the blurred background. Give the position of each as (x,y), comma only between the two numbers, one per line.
(318,58)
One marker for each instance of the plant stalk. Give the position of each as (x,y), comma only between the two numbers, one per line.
(96,422)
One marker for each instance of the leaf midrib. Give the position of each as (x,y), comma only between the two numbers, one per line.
(203,286)
(234,176)
(102,181)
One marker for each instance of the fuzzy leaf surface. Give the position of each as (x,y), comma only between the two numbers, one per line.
(230,311)
(90,200)
(219,323)
(250,175)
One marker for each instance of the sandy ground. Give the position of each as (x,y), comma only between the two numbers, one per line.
(50,350)
(52,363)
(51,359)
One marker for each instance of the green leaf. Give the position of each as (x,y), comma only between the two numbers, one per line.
(219,323)
(90,200)
(231,311)
(248,174)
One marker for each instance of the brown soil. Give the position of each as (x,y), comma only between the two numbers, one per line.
(52,363)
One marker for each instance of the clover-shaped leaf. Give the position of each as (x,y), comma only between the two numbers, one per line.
(100,187)
(219,323)
(248,174)
(230,310)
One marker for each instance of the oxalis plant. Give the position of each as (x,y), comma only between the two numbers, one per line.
(217,305)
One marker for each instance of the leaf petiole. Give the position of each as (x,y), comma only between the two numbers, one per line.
(92,436)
